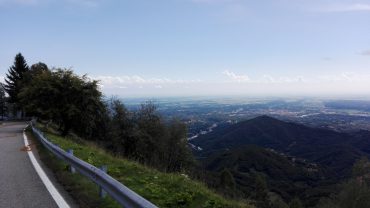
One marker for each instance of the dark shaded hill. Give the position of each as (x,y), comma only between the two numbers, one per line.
(334,150)
(361,141)
(286,176)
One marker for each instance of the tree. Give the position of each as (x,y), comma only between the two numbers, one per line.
(227,182)
(361,168)
(355,192)
(35,70)
(14,78)
(70,101)
(327,203)
(75,104)
(144,136)
(178,156)
(295,203)
(38,68)
(261,192)
(351,194)
(277,202)
(151,133)
(121,129)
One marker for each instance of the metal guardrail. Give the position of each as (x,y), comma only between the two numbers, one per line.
(122,194)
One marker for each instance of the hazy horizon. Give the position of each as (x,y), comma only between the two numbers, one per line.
(184,48)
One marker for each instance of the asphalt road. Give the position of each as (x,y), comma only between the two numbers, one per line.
(20,186)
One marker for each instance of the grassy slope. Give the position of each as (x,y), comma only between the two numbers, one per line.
(162,189)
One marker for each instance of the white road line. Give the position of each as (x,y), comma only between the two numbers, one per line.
(49,186)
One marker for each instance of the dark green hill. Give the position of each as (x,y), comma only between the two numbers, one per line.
(325,147)
(286,176)
(361,140)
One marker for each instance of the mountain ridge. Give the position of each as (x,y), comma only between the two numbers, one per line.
(326,147)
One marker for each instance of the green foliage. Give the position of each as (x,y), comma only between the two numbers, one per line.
(212,204)
(327,203)
(37,69)
(177,152)
(28,82)
(227,183)
(70,101)
(121,128)
(361,167)
(34,71)
(355,192)
(285,177)
(352,194)
(327,148)
(163,189)
(261,192)
(300,161)
(145,137)
(277,202)
(14,78)
(295,203)
(75,104)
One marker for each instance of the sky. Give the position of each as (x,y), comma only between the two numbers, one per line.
(139,48)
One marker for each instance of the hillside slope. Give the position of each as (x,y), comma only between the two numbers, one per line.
(328,148)
(286,176)
(163,189)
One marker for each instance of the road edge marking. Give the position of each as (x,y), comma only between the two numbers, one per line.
(58,198)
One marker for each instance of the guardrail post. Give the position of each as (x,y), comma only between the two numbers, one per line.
(102,192)
(71,168)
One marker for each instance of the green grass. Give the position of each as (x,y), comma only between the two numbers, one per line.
(162,189)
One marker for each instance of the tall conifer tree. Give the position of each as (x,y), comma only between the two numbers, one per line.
(13,80)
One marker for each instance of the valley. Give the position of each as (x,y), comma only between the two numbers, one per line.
(303,147)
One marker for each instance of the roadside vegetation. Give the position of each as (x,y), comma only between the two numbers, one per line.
(163,189)
(145,151)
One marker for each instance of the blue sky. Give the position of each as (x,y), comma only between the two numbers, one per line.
(197,47)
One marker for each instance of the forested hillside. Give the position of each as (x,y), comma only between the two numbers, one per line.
(295,160)
(331,149)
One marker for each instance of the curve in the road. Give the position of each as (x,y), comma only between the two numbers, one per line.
(20,182)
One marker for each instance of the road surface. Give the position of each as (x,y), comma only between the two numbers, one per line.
(20,185)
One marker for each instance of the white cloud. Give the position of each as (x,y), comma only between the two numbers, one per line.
(124,82)
(357,7)
(238,84)
(282,79)
(329,84)
(235,77)
(345,77)
(265,79)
